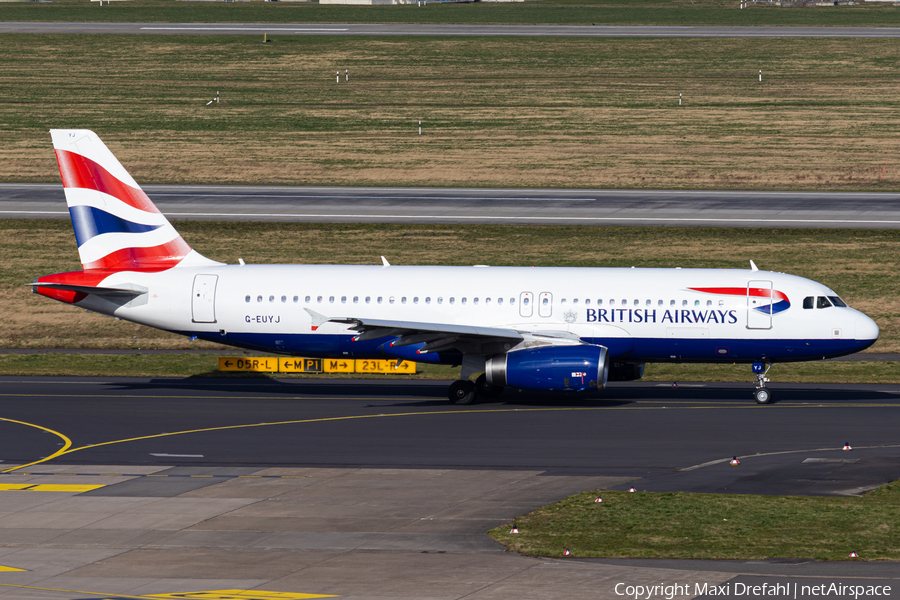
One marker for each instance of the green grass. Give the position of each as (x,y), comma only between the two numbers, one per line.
(563,12)
(712,526)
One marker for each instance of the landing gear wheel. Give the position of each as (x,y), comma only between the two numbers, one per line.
(462,392)
(483,388)
(762,396)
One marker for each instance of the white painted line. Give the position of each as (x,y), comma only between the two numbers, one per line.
(178,455)
(723,460)
(529,218)
(268,29)
(34,212)
(354,197)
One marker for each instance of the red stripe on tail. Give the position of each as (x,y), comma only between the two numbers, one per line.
(80,172)
(155,258)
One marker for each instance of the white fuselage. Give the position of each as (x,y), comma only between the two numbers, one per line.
(701,315)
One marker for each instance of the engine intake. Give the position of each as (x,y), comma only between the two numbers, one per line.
(550,368)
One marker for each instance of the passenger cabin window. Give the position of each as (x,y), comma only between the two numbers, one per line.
(368,299)
(259,298)
(271,298)
(823,302)
(513,300)
(296,299)
(247,299)
(380,299)
(808,302)
(343,299)
(283,299)
(837,301)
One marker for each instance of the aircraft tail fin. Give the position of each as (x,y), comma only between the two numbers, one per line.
(116,225)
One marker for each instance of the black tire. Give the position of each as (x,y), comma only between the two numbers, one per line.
(485,389)
(461,392)
(762,396)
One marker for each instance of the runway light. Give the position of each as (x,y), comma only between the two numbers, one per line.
(599,499)
(674,384)
(514,529)
(735,461)
(854,555)
(847,446)
(566,553)
(631,489)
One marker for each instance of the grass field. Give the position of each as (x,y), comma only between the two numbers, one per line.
(510,112)
(564,12)
(860,265)
(720,526)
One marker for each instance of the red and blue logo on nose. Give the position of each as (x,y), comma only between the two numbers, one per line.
(778,301)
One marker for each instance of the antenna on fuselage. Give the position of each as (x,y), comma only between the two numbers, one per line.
(385,262)
(753,266)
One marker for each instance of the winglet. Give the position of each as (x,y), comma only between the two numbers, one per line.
(317,319)
(385,262)
(753,266)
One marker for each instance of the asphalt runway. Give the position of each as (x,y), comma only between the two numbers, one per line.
(382,489)
(669,438)
(502,206)
(450,30)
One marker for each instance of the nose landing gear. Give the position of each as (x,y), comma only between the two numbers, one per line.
(762,395)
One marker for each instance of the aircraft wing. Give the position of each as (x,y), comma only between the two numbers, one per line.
(436,337)
(442,337)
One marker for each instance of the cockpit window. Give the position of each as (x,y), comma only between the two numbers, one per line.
(823,302)
(808,302)
(837,301)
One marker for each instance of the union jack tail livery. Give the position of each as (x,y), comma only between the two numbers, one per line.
(117,227)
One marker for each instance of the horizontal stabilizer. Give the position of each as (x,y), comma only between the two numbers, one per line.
(124,290)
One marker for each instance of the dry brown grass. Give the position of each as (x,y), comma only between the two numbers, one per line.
(859,265)
(496,111)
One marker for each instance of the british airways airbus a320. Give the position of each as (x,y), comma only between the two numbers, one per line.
(526,328)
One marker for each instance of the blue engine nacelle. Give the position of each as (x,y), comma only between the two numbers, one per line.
(579,367)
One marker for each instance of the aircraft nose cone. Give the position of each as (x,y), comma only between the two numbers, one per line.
(866,329)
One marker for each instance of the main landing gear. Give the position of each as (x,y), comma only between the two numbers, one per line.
(762,395)
(466,392)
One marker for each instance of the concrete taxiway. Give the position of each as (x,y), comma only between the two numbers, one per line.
(382,489)
(424,29)
(500,206)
